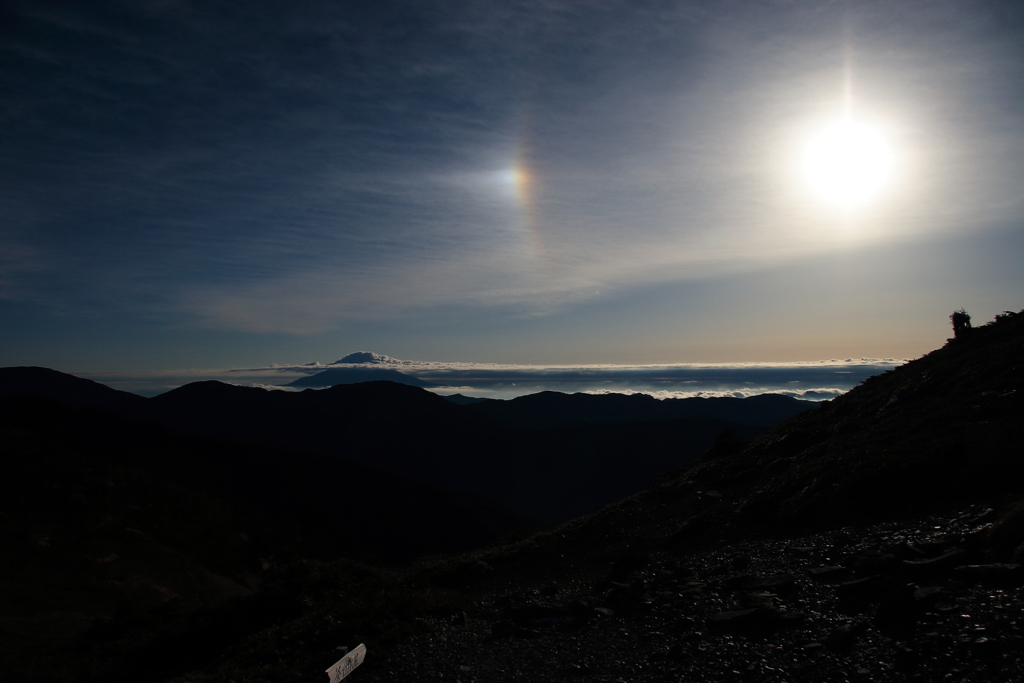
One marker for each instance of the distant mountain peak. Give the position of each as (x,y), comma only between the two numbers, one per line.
(333,376)
(368,357)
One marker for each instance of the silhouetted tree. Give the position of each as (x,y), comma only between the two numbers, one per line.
(961,323)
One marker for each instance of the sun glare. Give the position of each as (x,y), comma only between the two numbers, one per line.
(848,163)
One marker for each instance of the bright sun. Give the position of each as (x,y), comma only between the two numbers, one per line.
(848,163)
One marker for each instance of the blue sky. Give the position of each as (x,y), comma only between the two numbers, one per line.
(223,185)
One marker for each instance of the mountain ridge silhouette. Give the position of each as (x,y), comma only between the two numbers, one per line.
(412,432)
(849,538)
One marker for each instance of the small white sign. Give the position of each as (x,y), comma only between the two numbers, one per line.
(347,664)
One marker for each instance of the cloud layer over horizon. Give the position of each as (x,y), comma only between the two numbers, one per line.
(811,380)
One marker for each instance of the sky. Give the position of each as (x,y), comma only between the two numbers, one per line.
(225,185)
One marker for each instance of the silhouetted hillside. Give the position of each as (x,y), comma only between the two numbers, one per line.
(325,496)
(105,517)
(335,376)
(549,408)
(947,426)
(461,400)
(75,391)
(878,536)
(547,475)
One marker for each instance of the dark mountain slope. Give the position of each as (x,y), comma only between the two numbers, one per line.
(942,431)
(549,408)
(370,509)
(567,471)
(947,426)
(103,518)
(335,376)
(394,427)
(549,475)
(75,391)
(877,536)
(707,575)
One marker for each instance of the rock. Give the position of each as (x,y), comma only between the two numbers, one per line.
(757,618)
(874,562)
(861,591)
(503,629)
(934,547)
(626,565)
(1018,554)
(534,612)
(929,596)
(506,629)
(576,670)
(690,530)
(905,659)
(999,574)
(619,594)
(906,551)
(897,613)
(832,574)
(739,581)
(843,638)
(739,562)
(734,618)
(949,560)
(779,583)
(579,609)
(986,516)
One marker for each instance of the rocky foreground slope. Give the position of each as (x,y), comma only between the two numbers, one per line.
(877,537)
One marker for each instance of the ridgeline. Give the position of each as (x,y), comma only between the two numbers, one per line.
(877,536)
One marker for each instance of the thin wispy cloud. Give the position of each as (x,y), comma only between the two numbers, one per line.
(322,169)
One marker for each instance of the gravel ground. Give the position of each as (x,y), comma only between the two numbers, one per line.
(910,600)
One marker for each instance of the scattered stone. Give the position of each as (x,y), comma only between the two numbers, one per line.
(739,581)
(828,574)
(801,550)
(953,558)
(779,583)
(843,638)
(897,614)
(999,574)
(760,617)
(626,565)
(987,516)
(579,609)
(906,551)
(905,659)
(874,562)
(867,590)
(504,629)
(929,596)
(534,612)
